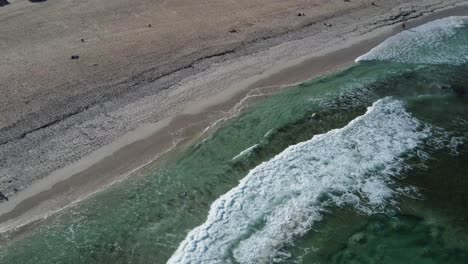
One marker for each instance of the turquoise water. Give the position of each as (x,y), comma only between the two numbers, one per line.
(367,165)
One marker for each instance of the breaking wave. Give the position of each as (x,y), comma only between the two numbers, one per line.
(441,41)
(283,197)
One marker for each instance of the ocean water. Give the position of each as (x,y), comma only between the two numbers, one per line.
(366,165)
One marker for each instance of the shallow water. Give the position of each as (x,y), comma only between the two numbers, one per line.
(367,165)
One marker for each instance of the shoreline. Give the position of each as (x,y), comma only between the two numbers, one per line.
(144,144)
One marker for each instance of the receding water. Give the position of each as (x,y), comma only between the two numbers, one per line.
(367,165)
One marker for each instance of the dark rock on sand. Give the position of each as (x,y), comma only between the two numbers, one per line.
(74,57)
(3,197)
(4,3)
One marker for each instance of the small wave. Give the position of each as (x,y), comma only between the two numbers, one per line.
(441,41)
(282,198)
(245,152)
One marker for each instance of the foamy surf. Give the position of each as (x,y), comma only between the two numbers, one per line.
(282,198)
(437,42)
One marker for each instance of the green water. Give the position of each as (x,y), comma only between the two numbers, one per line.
(430,229)
(144,220)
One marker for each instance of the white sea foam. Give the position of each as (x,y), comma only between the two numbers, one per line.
(245,152)
(282,198)
(437,42)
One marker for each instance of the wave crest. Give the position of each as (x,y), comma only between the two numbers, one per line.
(441,41)
(282,198)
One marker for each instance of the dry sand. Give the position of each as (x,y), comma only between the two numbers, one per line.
(70,127)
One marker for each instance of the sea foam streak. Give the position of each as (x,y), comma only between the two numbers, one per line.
(282,198)
(436,42)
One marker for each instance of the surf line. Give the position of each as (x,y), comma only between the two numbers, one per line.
(282,198)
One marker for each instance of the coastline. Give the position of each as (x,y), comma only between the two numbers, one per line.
(139,148)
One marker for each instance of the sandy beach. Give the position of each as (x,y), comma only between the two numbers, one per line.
(152,77)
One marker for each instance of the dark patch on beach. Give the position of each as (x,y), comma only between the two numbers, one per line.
(3,197)
(4,3)
(37,1)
